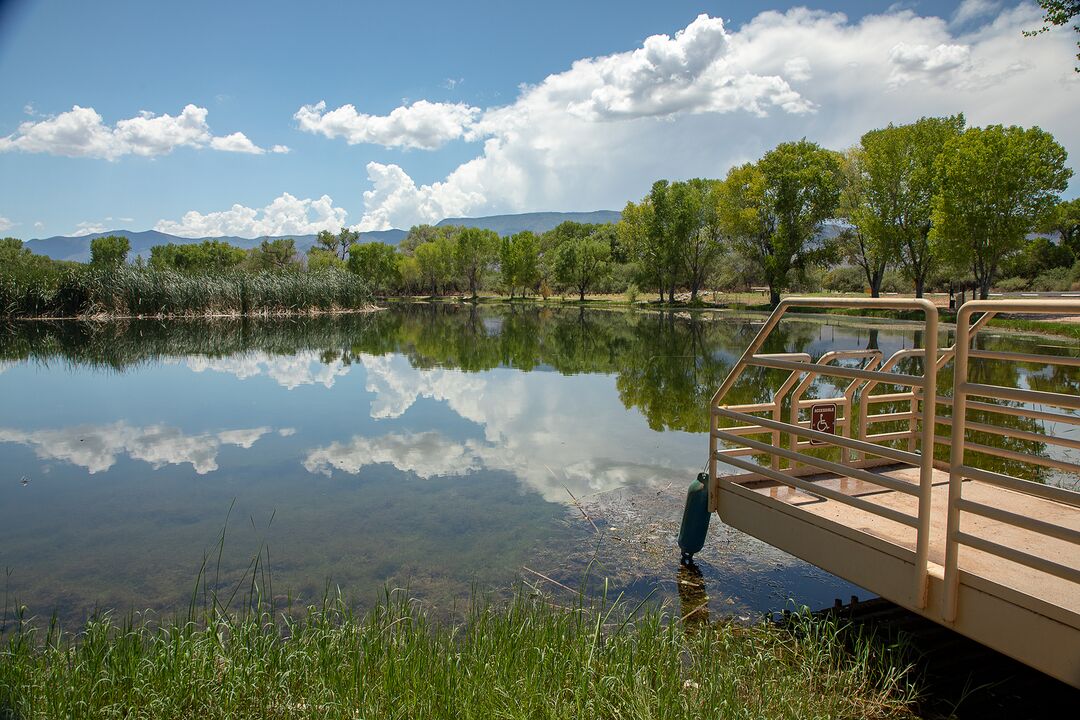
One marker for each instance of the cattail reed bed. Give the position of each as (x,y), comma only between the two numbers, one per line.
(525,658)
(131,291)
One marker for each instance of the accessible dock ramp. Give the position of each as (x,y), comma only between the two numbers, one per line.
(941,478)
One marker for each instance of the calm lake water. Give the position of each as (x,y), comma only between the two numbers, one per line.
(437,447)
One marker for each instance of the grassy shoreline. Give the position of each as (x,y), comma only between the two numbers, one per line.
(525,658)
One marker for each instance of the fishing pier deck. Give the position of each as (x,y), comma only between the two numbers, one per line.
(979,533)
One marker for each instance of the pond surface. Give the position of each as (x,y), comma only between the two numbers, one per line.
(445,448)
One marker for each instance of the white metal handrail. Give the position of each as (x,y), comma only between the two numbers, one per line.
(805,368)
(959,470)
(920,395)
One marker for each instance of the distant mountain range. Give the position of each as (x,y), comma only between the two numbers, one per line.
(536,222)
(62,247)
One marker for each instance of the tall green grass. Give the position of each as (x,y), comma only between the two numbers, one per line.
(526,658)
(137,291)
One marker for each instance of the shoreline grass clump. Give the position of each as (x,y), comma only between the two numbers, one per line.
(525,658)
(133,291)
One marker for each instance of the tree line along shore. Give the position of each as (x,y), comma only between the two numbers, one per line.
(931,205)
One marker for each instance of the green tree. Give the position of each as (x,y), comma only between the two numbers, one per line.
(408,273)
(12,251)
(376,262)
(436,264)
(580,263)
(865,241)
(111,250)
(668,231)
(1036,256)
(1064,221)
(774,211)
(322,259)
(207,256)
(633,231)
(417,236)
(338,244)
(519,261)
(899,168)
(508,272)
(274,254)
(996,185)
(702,232)
(474,252)
(526,252)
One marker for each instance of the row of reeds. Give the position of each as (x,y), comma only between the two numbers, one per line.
(526,658)
(140,291)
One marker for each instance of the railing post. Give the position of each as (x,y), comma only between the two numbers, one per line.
(926,468)
(956,464)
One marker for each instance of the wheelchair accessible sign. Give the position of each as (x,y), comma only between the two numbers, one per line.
(823,419)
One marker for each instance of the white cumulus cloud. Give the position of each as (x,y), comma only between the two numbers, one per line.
(424,125)
(82,132)
(6,224)
(697,102)
(285,215)
(237,142)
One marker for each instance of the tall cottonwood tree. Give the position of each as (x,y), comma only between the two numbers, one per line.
(338,244)
(474,251)
(996,185)
(864,242)
(900,166)
(580,263)
(704,234)
(774,210)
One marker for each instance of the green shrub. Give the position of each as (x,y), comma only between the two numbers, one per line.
(1057,279)
(845,279)
(1013,284)
(895,282)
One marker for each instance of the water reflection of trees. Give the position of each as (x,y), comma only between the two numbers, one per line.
(666,365)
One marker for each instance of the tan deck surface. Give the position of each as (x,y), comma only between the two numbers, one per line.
(1045,587)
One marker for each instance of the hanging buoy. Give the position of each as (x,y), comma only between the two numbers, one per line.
(695,519)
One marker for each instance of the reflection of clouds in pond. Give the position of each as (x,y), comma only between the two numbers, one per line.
(96,447)
(397,385)
(427,454)
(542,427)
(289,371)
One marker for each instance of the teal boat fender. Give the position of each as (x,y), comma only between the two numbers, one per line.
(695,519)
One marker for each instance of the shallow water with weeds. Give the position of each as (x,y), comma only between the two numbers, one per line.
(445,448)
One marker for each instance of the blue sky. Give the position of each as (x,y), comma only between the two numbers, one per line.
(483,108)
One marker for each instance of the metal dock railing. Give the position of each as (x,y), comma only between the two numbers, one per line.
(872,483)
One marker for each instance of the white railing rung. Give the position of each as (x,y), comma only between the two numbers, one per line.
(1035,397)
(829,466)
(839,371)
(1025,357)
(1027,487)
(870,448)
(1023,521)
(1020,557)
(814,489)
